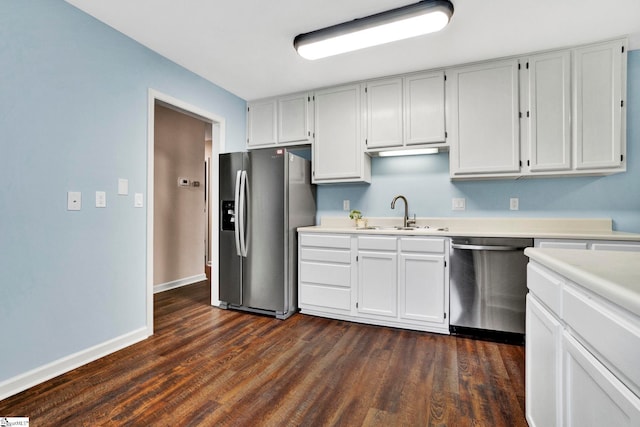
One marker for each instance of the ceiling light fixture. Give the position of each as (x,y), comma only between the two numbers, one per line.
(416,19)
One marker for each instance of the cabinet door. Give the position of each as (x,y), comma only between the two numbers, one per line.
(384,113)
(338,153)
(593,397)
(422,287)
(543,378)
(484,128)
(598,96)
(377,283)
(424,108)
(294,118)
(261,122)
(549,135)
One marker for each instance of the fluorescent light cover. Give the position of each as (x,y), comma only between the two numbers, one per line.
(413,152)
(397,24)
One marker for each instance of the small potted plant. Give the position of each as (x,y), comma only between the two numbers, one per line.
(357,216)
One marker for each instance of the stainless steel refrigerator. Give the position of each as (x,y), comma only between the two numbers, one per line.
(264,196)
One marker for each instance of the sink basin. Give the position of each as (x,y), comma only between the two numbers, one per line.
(399,228)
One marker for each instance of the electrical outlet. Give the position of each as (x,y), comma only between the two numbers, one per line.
(458,204)
(514,203)
(74,200)
(346,205)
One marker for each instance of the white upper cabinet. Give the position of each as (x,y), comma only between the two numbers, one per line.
(262,122)
(295,118)
(549,111)
(338,149)
(483,109)
(406,111)
(384,113)
(571,115)
(424,108)
(598,82)
(282,120)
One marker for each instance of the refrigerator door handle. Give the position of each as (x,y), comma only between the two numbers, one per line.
(236,228)
(244,193)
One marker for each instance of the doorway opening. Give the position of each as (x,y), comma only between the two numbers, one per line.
(191,185)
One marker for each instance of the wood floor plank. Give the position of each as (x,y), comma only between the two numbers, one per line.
(207,367)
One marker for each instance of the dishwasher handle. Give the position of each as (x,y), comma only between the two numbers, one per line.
(486,247)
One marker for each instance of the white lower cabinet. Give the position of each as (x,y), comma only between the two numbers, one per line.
(324,273)
(593,396)
(581,356)
(377,277)
(543,354)
(423,282)
(392,281)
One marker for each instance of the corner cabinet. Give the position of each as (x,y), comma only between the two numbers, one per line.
(483,110)
(392,281)
(338,149)
(285,120)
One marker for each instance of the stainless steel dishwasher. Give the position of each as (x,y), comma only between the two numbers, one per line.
(488,279)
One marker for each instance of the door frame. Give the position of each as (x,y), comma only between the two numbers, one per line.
(218,146)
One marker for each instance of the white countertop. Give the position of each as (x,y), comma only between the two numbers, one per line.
(614,275)
(538,228)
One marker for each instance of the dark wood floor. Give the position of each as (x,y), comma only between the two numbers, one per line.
(206,366)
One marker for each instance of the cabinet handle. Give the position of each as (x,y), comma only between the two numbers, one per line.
(485,247)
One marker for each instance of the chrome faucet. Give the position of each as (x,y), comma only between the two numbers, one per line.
(405,220)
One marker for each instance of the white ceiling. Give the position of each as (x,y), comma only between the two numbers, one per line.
(246,46)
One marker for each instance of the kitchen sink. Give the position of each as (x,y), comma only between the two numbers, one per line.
(400,228)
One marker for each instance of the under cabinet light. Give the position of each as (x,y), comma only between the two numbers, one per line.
(413,152)
(416,19)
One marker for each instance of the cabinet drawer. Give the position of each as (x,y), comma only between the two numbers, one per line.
(326,240)
(629,247)
(611,335)
(325,255)
(325,274)
(377,243)
(408,244)
(545,286)
(325,296)
(562,244)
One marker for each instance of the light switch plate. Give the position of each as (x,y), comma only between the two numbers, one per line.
(458,204)
(123,187)
(101,199)
(514,203)
(346,205)
(138,200)
(74,200)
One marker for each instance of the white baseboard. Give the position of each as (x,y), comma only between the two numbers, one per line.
(58,367)
(179,283)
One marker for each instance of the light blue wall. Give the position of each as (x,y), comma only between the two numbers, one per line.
(73,116)
(425,182)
